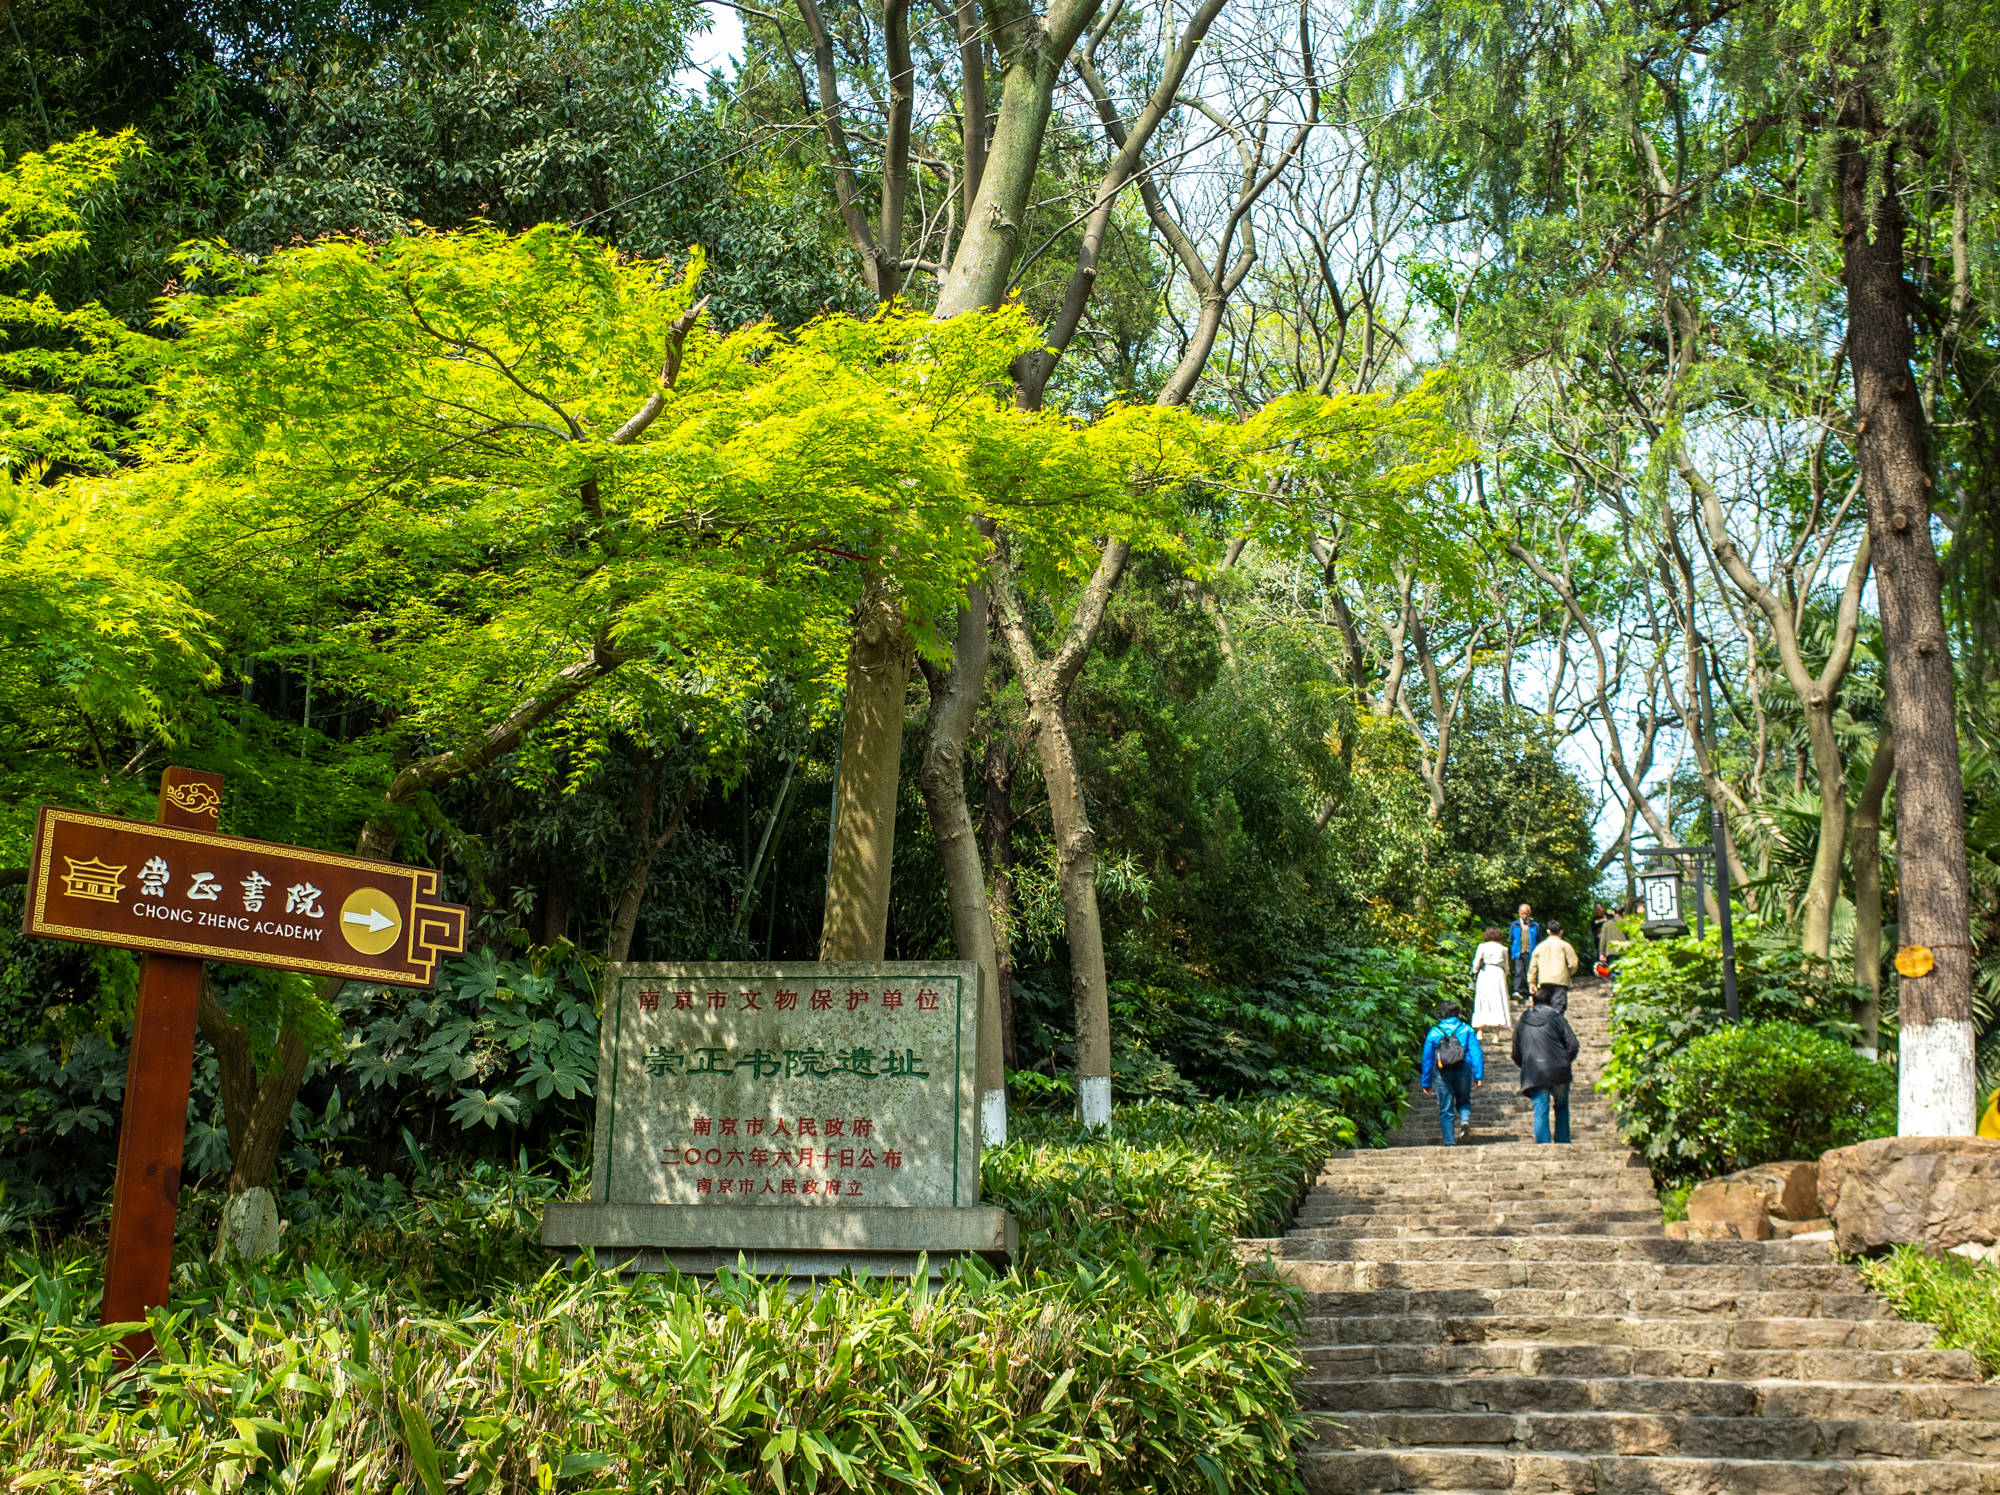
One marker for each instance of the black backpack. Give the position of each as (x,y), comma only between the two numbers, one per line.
(1450,1053)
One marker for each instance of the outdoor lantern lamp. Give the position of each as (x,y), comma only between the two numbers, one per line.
(1662,891)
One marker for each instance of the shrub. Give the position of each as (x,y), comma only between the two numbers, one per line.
(1127,1351)
(1669,995)
(1759,1093)
(1961,1297)
(1168,1179)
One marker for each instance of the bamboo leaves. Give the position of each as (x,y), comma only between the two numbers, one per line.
(1169,1371)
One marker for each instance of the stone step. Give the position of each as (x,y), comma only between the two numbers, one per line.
(1758,1324)
(1489,1103)
(1508,1316)
(1577,1165)
(1354,1228)
(1417,1194)
(1473,1302)
(1491,1132)
(1757,1263)
(1463,1471)
(1473,1220)
(1663,1434)
(1449,1192)
(1576,1162)
(1656,1395)
(1582,1144)
(1536,1358)
(1545,1306)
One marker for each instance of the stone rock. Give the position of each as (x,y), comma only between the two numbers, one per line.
(1791,1190)
(1786,1230)
(1940,1193)
(250,1226)
(1741,1206)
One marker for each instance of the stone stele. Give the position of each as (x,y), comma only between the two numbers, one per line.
(803,1118)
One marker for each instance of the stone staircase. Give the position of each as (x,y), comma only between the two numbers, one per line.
(1503,1316)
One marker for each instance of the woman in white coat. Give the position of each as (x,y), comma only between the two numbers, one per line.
(1489,983)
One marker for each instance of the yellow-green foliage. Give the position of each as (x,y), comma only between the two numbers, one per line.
(68,374)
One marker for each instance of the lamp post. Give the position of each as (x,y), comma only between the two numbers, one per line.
(1718,835)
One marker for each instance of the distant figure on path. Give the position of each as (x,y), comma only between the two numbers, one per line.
(1551,969)
(1611,942)
(1545,1046)
(1600,915)
(1489,983)
(1454,1066)
(1522,937)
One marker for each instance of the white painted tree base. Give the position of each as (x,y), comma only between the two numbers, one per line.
(993,1119)
(1936,1096)
(1093,1100)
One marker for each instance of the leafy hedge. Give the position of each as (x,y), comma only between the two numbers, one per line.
(1172,1180)
(1128,1351)
(1760,1093)
(1678,1100)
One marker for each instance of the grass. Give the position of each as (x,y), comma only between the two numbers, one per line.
(420,1342)
(1674,1202)
(1962,1298)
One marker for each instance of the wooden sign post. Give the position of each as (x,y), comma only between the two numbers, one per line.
(146,1190)
(181,894)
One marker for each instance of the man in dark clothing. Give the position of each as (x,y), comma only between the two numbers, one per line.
(1522,937)
(1545,1046)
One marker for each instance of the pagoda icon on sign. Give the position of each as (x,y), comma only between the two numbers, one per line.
(92,879)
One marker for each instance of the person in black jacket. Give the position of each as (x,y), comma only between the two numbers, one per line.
(1545,1046)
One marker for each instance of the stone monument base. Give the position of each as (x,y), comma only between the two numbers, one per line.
(781,1240)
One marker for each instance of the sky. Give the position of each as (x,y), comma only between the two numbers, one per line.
(717,50)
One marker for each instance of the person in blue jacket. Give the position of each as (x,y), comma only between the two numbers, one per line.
(1452,1083)
(1522,937)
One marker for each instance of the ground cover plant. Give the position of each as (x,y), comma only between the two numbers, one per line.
(415,1337)
(1961,1297)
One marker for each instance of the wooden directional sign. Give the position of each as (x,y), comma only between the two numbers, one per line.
(181,893)
(203,896)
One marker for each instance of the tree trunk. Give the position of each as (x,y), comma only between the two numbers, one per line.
(954,700)
(1035,51)
(1046,684)
(1823,888)
(871,755)
(1864,855)
(256,1110)
(1934,899)
(625,913)
(997,817)
(1818,695)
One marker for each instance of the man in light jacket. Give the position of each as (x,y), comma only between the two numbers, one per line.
(1552,967)
(1545,1046)
(1454,1083)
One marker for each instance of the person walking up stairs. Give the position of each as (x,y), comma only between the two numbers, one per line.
(1517,1320)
